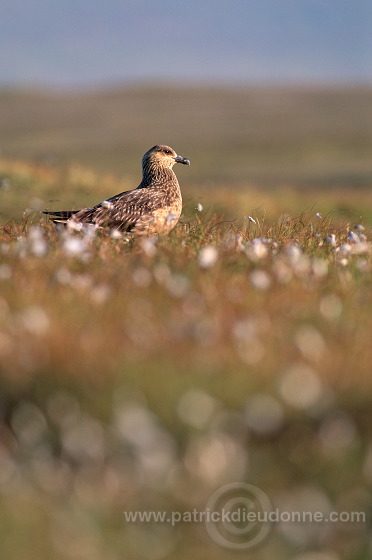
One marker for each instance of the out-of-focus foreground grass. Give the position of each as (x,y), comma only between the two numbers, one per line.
(144,375)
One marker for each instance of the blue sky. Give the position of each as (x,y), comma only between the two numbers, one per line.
(67,43)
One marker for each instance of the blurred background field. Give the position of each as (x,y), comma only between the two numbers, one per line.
(277,136)
(146,375)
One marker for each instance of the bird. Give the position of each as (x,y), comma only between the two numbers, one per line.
(154,207)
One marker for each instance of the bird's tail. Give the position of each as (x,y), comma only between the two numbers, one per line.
(60,216)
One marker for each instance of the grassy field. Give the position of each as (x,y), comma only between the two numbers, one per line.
(320,137)
(147,375)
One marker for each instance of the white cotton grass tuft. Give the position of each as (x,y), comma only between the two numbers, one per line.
(177,285)
(331,240)
(282,270)
(294,252)
(196,408)
(301,387)
(199,207)
(250,219)
(309,499)
(100,294)
(263,414)
(73,226)
(359,247)
(148,245)
(208,256)
(345,249)
(35,320)
(115,233)
(153,446)
(37,244)
(142,277)
(74,247)
(353,237)
(310,342)
(63,276)
(319,268)
(318,215)
(260,280)
(89,231)
(257,249)
(161,273)
(362,248)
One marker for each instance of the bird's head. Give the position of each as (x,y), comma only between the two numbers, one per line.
(162,156)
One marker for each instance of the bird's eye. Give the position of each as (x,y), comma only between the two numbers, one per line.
(167,152)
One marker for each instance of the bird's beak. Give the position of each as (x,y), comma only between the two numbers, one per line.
(180,159)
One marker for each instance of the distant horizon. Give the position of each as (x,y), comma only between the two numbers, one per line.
(106,86)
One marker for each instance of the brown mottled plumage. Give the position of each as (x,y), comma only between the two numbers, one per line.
(153,207)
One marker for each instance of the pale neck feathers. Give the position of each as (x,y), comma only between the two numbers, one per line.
(155,174)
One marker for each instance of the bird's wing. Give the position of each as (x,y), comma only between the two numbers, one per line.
(125,209)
